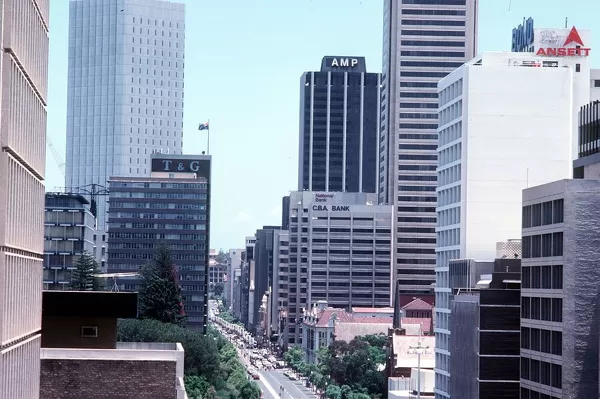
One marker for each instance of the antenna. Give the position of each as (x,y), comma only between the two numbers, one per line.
(566,22)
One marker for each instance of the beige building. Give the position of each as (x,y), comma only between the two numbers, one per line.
(23,96)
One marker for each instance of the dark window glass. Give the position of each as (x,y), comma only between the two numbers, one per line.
(418,84)
(433,12)
(419,105)
(535,277)
(416,53)
(557,277)
(547,213)
(557,244)
(546,245)
(420,74)
(431,64)
(536,246)
(558,210)
(422,22)
(437,2)
(526,277)
(424,126)
(405,198)
(557,309)
(536,215)
(418,95)
(526,216)
(547,277)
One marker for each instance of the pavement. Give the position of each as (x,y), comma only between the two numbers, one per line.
(292,389)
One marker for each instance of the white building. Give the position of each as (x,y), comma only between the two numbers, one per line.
(125,91)
(506,123)
(234,262)
(340,251)
(423,41)
(23,99)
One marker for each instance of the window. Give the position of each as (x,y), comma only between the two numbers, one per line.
(557,244)
(546,276)
(547,213)
(556,346)
(556,310)
(545,312)
(547,244)
(558,209)
(89,332)
(526,276)
(536,246)
(557,277)
(535,277)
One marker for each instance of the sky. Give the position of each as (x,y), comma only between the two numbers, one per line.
(244,59)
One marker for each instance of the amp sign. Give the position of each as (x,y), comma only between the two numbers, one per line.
(344,62)
(523,36)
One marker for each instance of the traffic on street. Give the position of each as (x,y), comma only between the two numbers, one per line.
(275,379)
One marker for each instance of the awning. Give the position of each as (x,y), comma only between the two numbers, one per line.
(483,283)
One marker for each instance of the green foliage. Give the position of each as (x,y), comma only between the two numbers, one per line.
(295,358)
(222,257)
(212,366)
(160,295)
(82,278)
(218,289)
(333,392)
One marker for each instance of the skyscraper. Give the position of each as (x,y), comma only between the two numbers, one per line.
(125,90)
(23,99)
(339,127)
(423,41)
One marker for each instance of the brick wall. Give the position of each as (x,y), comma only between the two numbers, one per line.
(115,379)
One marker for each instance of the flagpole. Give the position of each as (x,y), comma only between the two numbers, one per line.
(208,139)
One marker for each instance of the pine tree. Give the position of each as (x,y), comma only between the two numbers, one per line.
(82,278)
(160,293)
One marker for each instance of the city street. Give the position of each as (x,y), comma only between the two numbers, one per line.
(271,380)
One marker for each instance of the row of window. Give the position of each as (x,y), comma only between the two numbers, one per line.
(428,11)
(417,53)
(539,340)
(547,309)
(347,241)
(542,245)
(436,2)
(419,105)
(448,33)
(544,277)
(543,214)
(541,372)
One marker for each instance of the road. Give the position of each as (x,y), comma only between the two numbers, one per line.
(291,389)
(271,380)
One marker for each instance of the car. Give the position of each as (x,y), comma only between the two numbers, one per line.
(256,376)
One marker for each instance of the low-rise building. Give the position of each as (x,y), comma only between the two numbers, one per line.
(81,358)
(322,325)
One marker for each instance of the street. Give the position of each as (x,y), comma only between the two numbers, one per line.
(271,381)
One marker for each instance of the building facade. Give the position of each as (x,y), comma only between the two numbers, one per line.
(263,270)
(247,282)
(423,41)
(69,229)
(24,89)
(234,262)
(171,207)
(493,144)
(339,127)
(125,91)
(485,342)
(587,164)
(559,314)
(339,251)
(281,268)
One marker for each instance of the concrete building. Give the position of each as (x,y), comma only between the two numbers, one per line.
(559,311)
(339,127)
(69,229)
(125,90)
(171,207)
(423,41)
(494,142)
(339,251)
(81,358)
(247,283)
(587,164)
(485,327)
(24,91)
(285,212)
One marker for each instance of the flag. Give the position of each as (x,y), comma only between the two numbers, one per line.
(203,126)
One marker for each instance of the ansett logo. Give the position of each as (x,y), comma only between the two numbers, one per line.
(579,49)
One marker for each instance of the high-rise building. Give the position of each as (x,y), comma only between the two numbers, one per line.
(69,229)
(493,143)
(171,207)
(263,269)
(485,327)
(339,127)
(560,337)
(125,91)
(247,283)
(339,251)
(281,268)
(24,89)
(234,262)
(423,41)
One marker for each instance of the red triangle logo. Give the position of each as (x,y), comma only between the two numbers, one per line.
(573,38)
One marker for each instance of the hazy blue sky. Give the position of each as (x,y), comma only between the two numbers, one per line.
(244,59)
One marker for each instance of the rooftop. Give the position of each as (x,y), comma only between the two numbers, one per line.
(120,305)
(417,304)
(405,349)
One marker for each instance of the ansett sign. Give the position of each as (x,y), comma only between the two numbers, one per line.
(551,44)
(334,208)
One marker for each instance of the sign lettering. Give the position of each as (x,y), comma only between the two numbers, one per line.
(334,208)
(572,39)
(344,62)
(523,36)
(173,165)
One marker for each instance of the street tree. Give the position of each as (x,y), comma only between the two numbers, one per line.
(160,293)
(82,278)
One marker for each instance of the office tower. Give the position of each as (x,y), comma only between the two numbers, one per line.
(125,92)
(485,340)
(281,268)
(423,41)
(493,143)
(587,165)
(24,89)
(171,207)
(263,271)
(559,297)
(69,229)
(339,251)
(285,212)
(339,127)
(234,262)
(247,283)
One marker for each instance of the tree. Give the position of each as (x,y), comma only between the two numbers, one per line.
(82,278)
(160,295)
(218,289)
(196,386)
(250,391)
(221,258)
(294,357)
(333,392)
